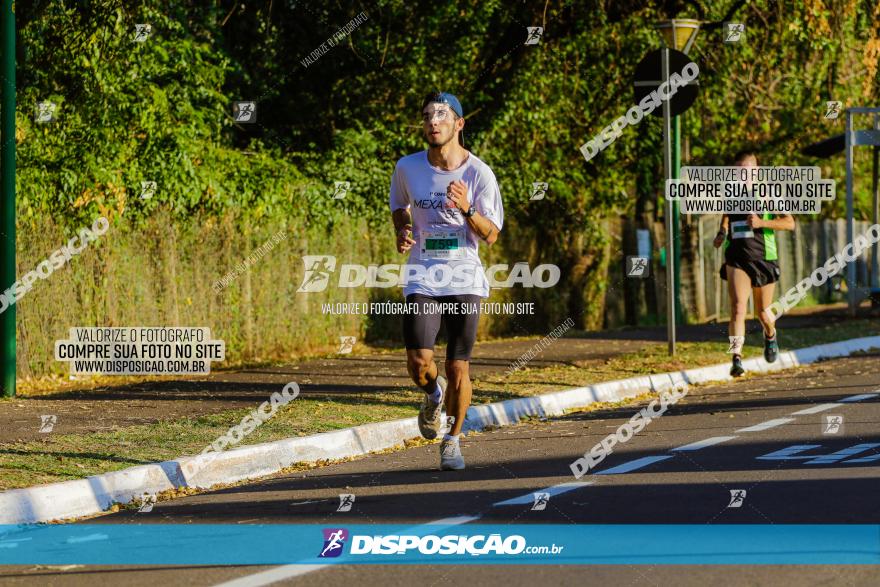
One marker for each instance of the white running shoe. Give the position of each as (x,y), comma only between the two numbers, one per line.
(429,414)
(450,456)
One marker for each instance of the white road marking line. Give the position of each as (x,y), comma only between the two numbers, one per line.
(704,443)
(860,397)
(309,501)
(457,520)
(633,465)
(288,571)
(767,425)
(815,409)
(529,498)
(271,576)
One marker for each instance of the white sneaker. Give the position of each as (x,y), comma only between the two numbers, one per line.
(429,414)
(450,456)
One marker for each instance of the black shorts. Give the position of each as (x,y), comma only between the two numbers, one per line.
(420,328)
(761,272)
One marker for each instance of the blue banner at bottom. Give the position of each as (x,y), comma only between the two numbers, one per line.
(272,544)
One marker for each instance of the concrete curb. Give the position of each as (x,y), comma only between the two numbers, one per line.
(93,495)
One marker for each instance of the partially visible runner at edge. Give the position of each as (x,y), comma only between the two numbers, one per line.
(444,201)
(751,266)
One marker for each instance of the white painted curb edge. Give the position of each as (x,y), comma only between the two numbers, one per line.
(93,495)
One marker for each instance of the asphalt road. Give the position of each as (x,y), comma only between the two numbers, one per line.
(750,435)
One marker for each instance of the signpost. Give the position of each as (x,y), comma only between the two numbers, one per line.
(653,70)
(847,142)
(7,193)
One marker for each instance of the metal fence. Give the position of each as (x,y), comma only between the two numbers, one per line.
(801,251)
(703,294)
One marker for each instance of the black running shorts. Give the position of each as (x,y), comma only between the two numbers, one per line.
(456,313)
(760,271)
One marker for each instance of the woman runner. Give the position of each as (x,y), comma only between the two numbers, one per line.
(751,265)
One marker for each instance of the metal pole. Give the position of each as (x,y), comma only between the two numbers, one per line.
(850,221)
(701,275)
(670,246)
(875,261)
(676,218)
(7,193)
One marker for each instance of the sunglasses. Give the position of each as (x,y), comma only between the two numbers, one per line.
(439,114)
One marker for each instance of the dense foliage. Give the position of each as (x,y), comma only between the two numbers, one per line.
(160,110)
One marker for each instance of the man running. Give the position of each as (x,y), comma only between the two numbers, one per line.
(750,266)
(444,201)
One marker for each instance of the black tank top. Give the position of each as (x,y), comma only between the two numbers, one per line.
(746,244)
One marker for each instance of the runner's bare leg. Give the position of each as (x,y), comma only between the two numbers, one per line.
(458,392)
(763,297)
(421,366)
(739,285)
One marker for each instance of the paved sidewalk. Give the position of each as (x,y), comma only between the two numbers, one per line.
(108,408)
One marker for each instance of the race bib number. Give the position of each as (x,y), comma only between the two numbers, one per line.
(442,244)
(740,229)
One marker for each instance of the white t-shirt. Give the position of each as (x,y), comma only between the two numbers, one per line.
(444,261)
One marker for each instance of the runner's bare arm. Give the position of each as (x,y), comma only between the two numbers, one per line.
(721,235)
(485,228)
(401,217)
(782,222)
(403,228)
